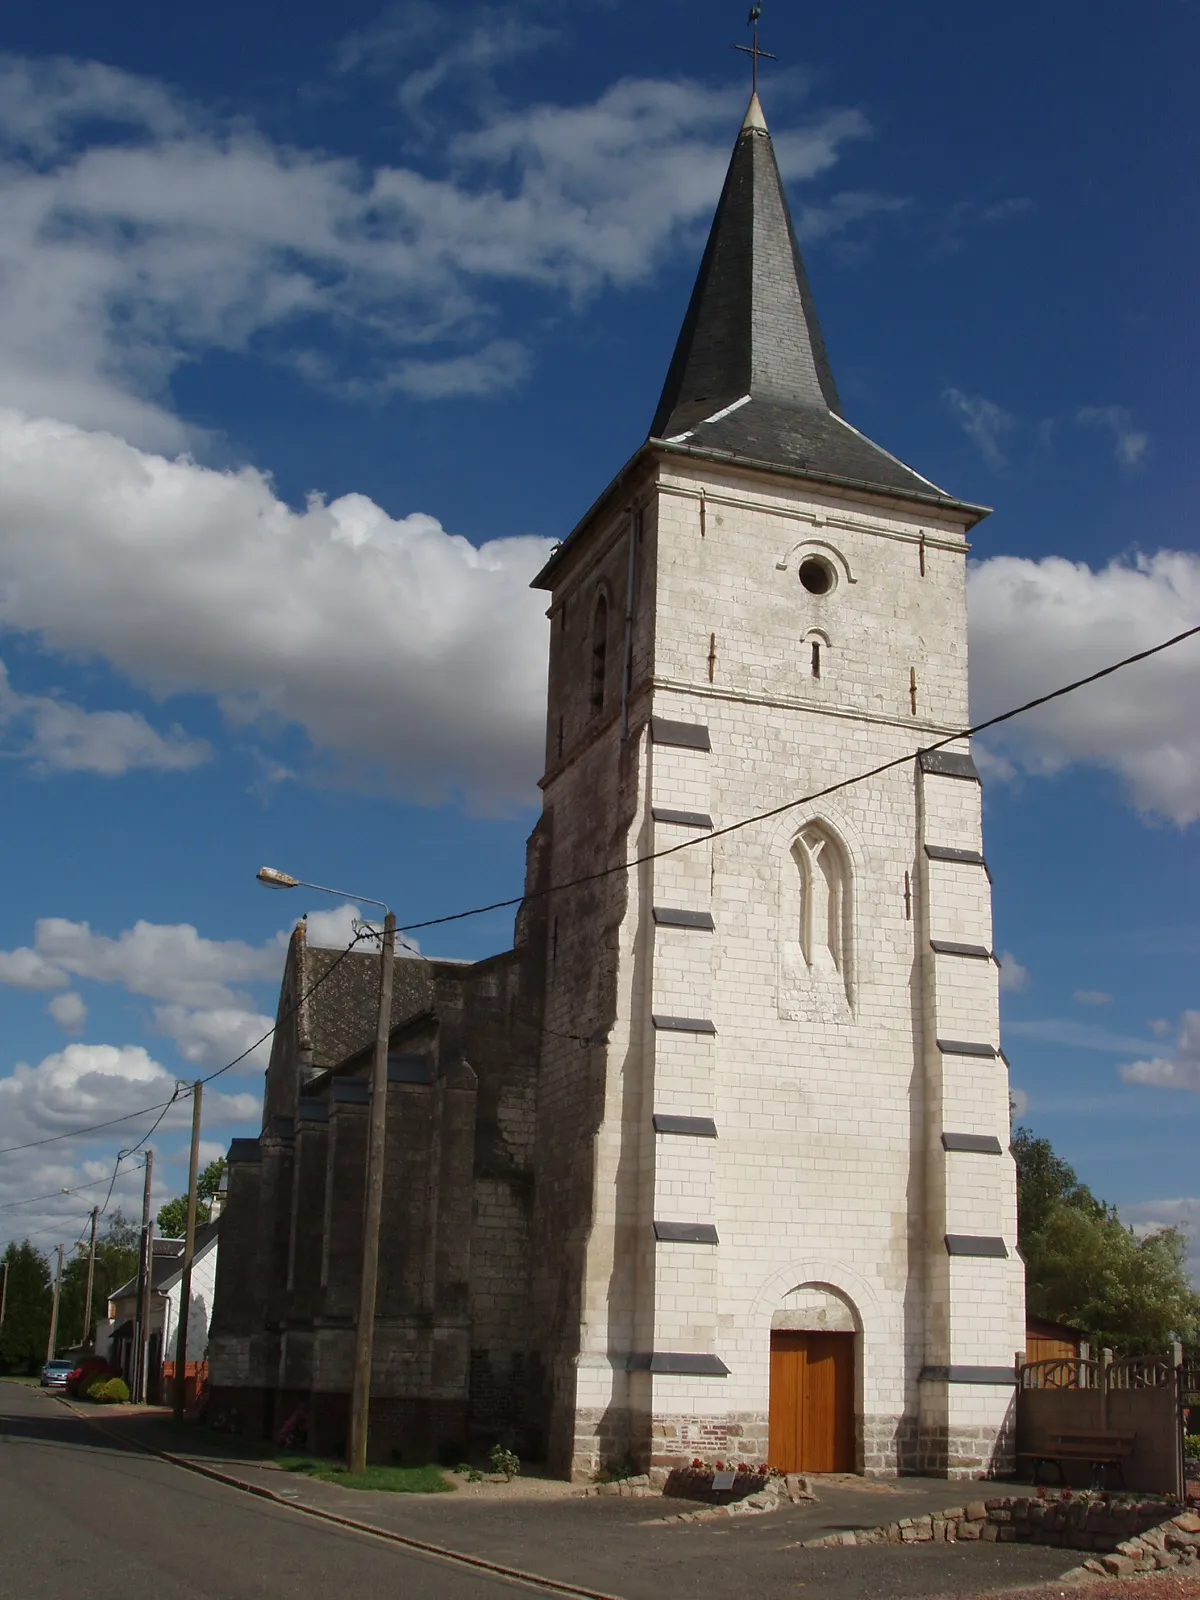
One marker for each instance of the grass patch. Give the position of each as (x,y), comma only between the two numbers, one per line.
(395,1480)
(19,1377)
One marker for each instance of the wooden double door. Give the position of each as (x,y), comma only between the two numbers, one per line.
(812,1402)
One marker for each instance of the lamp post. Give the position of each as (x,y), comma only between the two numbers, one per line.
(364,1342)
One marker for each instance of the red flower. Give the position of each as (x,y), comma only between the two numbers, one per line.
(697,1463)
(720,1466)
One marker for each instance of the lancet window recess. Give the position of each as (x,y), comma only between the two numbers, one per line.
(826,906)
(599,650)
(815,654)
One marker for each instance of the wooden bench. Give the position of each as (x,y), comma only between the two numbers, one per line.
(1105,1452)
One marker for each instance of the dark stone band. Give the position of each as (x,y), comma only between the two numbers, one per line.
(698,1127)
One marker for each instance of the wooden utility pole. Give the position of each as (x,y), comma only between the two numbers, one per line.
(145,1278)
(53,1339)
(364,1343)
(189,1250)
(88,1330)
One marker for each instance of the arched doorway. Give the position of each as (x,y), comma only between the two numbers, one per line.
(811,1419)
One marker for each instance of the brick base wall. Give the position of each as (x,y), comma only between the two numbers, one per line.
(885,1446)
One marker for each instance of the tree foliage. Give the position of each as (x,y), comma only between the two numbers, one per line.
(116,1262)
(26,1325)
(172,1217)
(1084,1268)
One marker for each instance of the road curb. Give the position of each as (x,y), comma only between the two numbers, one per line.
(420,1546)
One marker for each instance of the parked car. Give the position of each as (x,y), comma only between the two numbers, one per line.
(56,1373)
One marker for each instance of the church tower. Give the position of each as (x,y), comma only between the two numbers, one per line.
(774,1216)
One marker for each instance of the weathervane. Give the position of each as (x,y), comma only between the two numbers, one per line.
(752,49)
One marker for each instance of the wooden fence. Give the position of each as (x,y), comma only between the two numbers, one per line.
(1141,1397)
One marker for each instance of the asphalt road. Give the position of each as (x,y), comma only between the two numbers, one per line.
(83,1520)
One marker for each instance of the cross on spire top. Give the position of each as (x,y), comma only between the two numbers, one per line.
(752,49)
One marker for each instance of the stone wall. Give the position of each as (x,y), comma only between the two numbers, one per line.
(452,1342)
(810,1048)
(1128,1533)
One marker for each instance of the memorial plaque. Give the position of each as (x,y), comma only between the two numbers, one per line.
(723,1480)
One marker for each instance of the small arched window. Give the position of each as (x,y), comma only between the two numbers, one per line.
(816,647)
(599,650)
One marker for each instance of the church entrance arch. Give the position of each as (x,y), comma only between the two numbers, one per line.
(811,1416)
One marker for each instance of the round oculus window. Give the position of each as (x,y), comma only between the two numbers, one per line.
(816,575)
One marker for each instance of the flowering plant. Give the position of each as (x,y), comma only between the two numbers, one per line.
(294,1433)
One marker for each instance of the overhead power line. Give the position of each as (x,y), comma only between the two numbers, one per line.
(805,799)
(183,1090)
(638,861)
(80,1188)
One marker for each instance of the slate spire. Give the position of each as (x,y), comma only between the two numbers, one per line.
(751,327)
(750,376)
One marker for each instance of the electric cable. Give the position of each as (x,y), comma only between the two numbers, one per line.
(805,799)
(80,1188)
(642,860)
(165,1105)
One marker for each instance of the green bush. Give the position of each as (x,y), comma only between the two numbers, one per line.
(1191,1446)
(505,1461)
(108,1391)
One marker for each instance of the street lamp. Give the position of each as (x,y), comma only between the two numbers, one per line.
(360,1399)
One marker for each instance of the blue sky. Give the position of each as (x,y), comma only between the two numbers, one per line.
(315,329)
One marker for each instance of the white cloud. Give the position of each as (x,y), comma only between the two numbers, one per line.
(1013,976)
(1074,1035)
(215,1035)
(86,1083)
(162,961)
(1037,625)
(187,578)
(815,222)
(983,421)
(137,232)
(174,232)
(1179,1070)
(1002,210)
(26,969)
(79,1085)
(336,928)
(56,736)
(1130,443)
(1092,997)
(346,925)
(1020,1103)
(69,1011)
(477,46)
(195,981)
